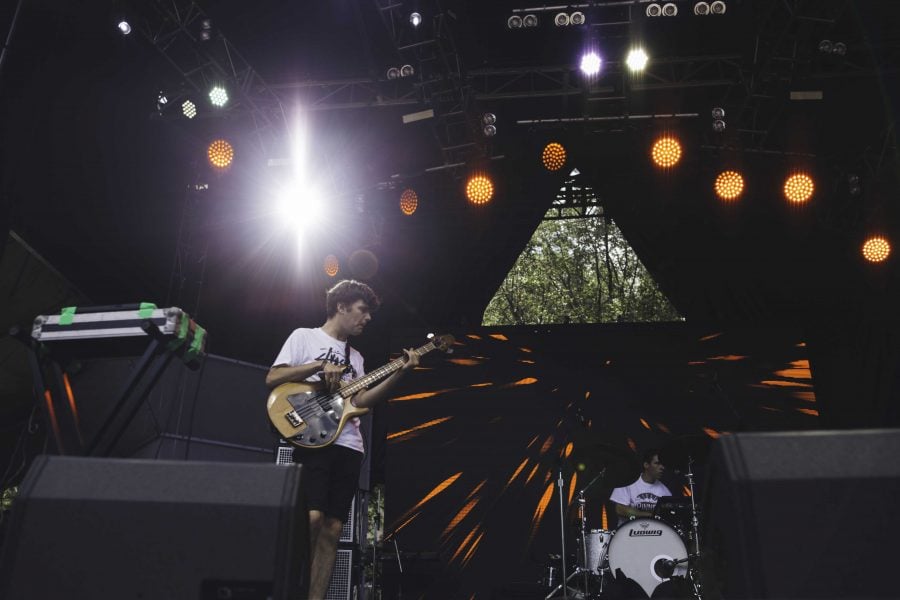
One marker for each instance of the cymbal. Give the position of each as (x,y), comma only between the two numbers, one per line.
(589,459)
(675,453)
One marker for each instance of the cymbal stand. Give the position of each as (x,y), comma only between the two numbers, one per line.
(695,526)
(564,584)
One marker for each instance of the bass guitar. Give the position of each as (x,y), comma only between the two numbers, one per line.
(307,415)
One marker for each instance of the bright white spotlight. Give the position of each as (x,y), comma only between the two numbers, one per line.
(218,96)
(124,27)
(189,109)
(590,63)
(637,59)
(415,19)
(300,207)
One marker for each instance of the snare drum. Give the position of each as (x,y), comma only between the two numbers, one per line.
(638,549)
(596,545)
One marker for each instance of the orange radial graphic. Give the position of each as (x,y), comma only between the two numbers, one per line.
(553,156)
(479,189)
(220,154)
(798,188)
(876,249)
(729,185)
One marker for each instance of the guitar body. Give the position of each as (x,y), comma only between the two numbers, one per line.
(307,416)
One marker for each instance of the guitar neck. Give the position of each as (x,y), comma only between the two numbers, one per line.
(358,385)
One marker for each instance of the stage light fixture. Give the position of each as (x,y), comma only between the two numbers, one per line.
(489,130)
(220,154)
(669,9)
(729,185)
(718,126)
(653,9)
(701,8)
(853,185)
(798,188)
(189,109)
(637,60)
(218,96)
(577,18)
(876,249)
(332,265)
(718,113)
(205,35)
(666,152)
(415,19)
(553,156)
(591,63)
(124,27)
(488,118)
(561,19)
(718,7)
(840,49)
(479,189)
(826,46)
(393,73)
(514,22)
(161,99)
(407,71)
(409,202)
(530,21)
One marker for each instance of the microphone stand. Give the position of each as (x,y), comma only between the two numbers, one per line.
(695,526)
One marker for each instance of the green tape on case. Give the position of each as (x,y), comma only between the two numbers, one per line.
(67,315)
(183,326)
(197,342)
(146,310)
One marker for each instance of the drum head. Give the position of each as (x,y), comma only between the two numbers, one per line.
(639,545)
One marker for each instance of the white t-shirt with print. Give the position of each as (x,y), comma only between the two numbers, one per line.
(304,346)
(640,495)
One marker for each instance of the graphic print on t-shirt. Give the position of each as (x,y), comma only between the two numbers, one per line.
(337,359)
(646,501)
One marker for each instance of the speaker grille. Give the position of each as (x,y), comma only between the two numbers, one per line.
(339,587)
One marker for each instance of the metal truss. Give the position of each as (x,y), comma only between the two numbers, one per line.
(574,201)
(173,28)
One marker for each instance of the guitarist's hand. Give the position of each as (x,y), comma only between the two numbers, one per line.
(331,375)
(412,360)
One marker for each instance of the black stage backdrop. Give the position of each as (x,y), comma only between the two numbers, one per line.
(475,438)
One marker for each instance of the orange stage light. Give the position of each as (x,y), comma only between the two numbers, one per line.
(876,249)
(553,156)
(409,201)
(666,152)
(798,188)
(479,189)
(729,185)
(220,154)
(332,265)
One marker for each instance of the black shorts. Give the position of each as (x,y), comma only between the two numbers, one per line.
(330,478)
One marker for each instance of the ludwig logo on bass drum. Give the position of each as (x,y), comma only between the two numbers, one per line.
(644,532)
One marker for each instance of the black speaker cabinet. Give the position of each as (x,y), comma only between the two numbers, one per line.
(88,528)
(803,515)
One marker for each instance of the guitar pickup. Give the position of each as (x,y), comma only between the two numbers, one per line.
(293,418)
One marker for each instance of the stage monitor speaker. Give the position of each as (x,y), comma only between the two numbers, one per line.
(803,515)
(124,528)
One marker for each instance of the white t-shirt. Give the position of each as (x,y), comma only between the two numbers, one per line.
(640,495)
(304,346)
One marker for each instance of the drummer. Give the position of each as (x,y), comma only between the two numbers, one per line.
(640,498)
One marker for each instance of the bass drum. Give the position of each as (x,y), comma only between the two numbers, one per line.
(640,548)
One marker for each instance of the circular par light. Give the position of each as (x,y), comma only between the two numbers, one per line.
(488,118)
(669,9)
(220,154)
(561,20)
(729,185)
(415,19)
(393,73)
(876,249)
(407,71)
(479,189)
(332,265)
(826,46)
(530,21)
(577,18)
(409,202)
(653,9)
(840,48)
(718,113)
(218,96)
(553,156)
(124,27)
(591,63)
(717,8)
(514,22)
(701,8)
(489,130)
(637,59)
(798,188)
(666,152)
(718,126)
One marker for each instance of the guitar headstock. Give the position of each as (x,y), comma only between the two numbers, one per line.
(442,342)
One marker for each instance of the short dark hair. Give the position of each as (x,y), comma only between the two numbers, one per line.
(347,292)
(647,458)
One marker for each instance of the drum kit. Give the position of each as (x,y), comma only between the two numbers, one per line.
(649,551)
